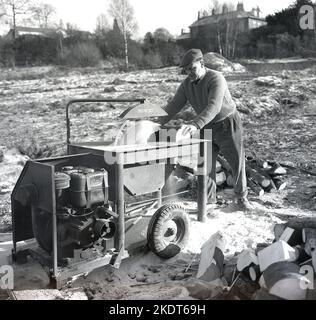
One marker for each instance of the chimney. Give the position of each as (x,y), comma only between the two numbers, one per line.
(199,15)
(240,7)
(213,12)
(258,11)
(225,8)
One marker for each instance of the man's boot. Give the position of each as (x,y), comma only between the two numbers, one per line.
(243,204)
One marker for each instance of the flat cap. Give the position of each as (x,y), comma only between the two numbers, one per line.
(191,56)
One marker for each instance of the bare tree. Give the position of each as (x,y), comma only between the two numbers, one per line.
(123,12)
(102,23)
(43,14)
(14,8)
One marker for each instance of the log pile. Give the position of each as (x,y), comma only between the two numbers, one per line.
(285,268)
(262,176)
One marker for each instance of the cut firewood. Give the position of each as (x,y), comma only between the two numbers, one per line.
(283,279)
(301,254)
(256,176)
(265,174)
(230,181)
(291,236)
(309,238)
(218,167)
(277,252)
(255,187)
(279,183)
(254,272)
(278,230)
(258,163)
(277,170)
(271,187)
(220,178)
(248,264)
(212,258)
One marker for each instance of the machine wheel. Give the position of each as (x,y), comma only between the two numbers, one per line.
(168,230)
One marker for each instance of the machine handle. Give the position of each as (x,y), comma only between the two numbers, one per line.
(92,100)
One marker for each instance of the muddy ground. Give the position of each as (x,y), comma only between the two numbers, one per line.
(32,124)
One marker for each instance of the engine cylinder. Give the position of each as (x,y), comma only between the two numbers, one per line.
(104,229)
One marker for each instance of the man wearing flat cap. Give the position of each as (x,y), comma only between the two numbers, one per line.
(207,92)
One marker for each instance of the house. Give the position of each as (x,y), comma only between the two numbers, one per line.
(42,32)
(207,25)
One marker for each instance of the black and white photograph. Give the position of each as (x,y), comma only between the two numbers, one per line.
(159,150)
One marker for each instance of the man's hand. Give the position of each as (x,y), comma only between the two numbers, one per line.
(188,129)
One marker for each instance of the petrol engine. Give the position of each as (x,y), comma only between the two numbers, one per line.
(84,217)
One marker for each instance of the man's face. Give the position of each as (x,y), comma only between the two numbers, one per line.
(195,70)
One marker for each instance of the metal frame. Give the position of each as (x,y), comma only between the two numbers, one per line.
(123,156)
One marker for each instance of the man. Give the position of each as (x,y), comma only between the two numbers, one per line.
(208,93)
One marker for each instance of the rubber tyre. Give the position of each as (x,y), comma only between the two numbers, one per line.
(168,230)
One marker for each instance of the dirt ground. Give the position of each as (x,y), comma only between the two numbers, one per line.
(32,124)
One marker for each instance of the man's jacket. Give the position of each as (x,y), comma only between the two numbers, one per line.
(209,97)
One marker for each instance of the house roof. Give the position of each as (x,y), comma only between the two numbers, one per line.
(229,15)
(183,36)
(45,32)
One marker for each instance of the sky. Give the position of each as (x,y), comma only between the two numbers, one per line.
(151,14)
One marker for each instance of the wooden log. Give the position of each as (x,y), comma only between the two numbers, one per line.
(301,223)
(224,164)
(276,252)
(212,258)
(218,167)
(279,183)
(278,230)
(230,181)
(271,187)
(254,272)
(258,163)
(283,279)
(277,170)
(245,259)
(291,236)
(256,176)
(309,238)
(220,178)
(265,174)
(301,254)
(255,187)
